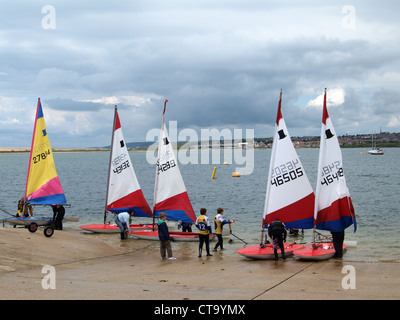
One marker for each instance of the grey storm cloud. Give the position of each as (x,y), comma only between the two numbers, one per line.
(219,63)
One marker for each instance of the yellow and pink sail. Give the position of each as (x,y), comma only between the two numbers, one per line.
(43,186)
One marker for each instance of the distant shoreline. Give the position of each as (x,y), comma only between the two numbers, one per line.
(27,150)
(11,150)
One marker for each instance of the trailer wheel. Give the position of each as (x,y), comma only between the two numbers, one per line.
(33,227)
(48,231)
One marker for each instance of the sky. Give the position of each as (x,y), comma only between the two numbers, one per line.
(221,64)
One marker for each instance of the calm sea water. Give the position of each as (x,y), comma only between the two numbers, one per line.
(373,181)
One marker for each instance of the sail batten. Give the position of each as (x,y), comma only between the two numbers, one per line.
(43,186)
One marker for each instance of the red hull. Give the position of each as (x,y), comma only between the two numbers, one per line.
(113,228)
(322,251)
(176,235)
(266,253)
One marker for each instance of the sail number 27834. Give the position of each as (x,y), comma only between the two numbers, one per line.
(41,156)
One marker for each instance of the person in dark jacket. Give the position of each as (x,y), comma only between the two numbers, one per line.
(58,216)
(163,235)
(338,239)
(277,232)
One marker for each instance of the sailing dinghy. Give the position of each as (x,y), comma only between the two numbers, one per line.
(123,189)
(289,195)
(333,210)
(170,194)
(43,186)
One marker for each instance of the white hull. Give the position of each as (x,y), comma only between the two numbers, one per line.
(376,152)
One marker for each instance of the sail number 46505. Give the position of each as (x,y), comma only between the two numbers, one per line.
(286,172)
(286,177)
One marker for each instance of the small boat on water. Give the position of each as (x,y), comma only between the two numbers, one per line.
(123,189)
(333,208)
(374,149)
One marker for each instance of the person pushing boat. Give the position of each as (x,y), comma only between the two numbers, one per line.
(278,233)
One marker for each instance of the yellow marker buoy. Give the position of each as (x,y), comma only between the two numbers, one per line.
(236,174)
(213,174)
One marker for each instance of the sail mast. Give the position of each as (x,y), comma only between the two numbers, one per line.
(158,160)
(109,164)
(319,173)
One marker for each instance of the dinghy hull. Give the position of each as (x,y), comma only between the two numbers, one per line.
(176,235)
(113,228)
(267,253)
(322,251)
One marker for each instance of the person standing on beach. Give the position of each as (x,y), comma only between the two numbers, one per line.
(338,239)
(277,232)
(204,226)
(218,224)
(163,235)
(58,216)
(122,221)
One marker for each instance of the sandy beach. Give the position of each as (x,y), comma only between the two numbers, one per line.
(95,267)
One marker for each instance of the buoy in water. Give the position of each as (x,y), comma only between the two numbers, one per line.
(213,174)
(236,174)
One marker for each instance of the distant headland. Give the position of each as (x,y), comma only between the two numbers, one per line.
(383,140)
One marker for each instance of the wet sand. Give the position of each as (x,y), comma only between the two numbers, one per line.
(97,267)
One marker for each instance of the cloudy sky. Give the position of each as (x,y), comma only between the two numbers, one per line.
(220,63)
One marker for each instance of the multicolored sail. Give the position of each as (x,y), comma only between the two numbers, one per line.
(170,195)
(42,183)
(289,196)
(123,191)
(334,209)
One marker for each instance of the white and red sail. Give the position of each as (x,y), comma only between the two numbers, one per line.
(123,190)
(289,195)
(170,195)
(334,209)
